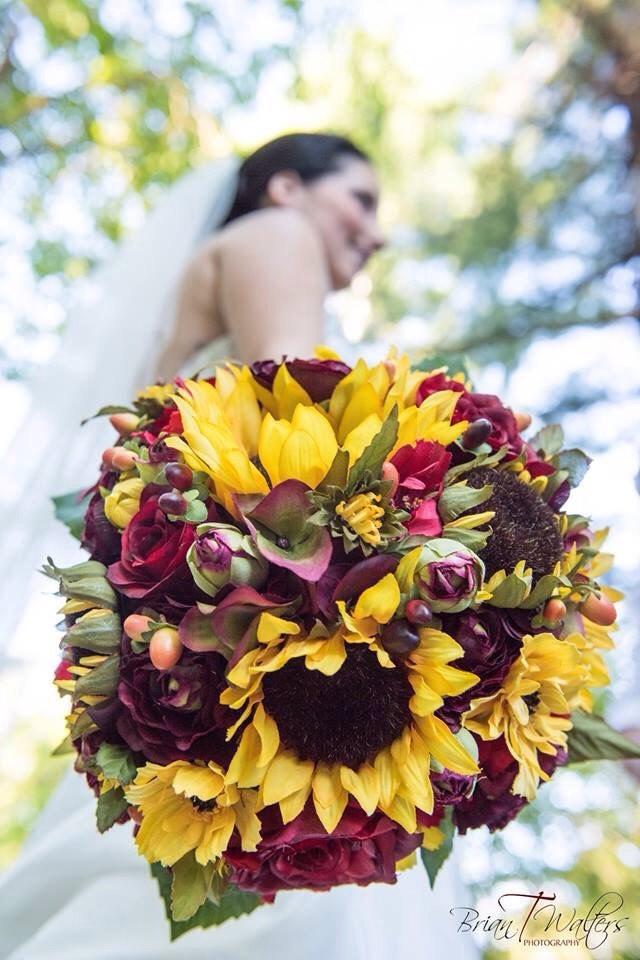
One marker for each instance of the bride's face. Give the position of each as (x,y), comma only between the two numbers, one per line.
(343,205)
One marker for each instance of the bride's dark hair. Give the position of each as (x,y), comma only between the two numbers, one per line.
(311,155)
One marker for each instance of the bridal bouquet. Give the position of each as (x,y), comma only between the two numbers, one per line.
(331,615)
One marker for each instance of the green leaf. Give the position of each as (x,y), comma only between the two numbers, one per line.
(433,859)
(511,592)
(475,539)
(88,568)
(116,762)
(100,634)
(190,884)
(374,455)
(196,512)
(64,747)
(233,903)
(338,471)
(102,680)
(459,498)
(111,805)
(549,439)
(591,738)
(575,462)
(106,412)
(70,509)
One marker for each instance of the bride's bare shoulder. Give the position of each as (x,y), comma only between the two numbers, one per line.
(277,227)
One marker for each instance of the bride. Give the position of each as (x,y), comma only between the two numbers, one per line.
(264,242)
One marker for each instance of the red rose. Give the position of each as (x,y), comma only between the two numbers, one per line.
(421,468)
(473,406)
(152,560)
(301,854)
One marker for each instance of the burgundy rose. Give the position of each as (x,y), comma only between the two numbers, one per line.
(492,803)
(173,714)
(152,561)
(473,406)
(317,377)
(360,850)
(491,640)
(99,537)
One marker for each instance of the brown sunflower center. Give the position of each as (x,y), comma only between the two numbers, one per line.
(345,718)
(202,806)
(524,526)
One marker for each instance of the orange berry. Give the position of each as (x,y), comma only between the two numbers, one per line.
(124,423)
(390,472)
(107,457)
(554,610)
(599,610)
(123,459)
(522,420)
(165,648)
(135,625)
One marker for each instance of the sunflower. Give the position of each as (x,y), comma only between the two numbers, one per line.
(531,709)
(187,806)
(330,714)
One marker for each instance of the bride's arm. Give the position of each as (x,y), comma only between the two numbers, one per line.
(273,283)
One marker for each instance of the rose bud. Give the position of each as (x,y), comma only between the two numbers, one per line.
(390,472)
(122,459)
(172,503)
(124,423)
(418,613)
(554,610)
(448,575)
(476,433)
(522,420)
(135,625)
(165,648)
(123,501)
(599,610)
(399,637)
(179,475)
(222,554)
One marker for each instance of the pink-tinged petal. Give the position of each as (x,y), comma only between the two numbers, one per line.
(425,521)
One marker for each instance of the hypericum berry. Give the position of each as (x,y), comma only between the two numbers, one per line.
(554,610)
(390,472)
(165,648)
(135,625)
(476,433)
(418,612)
(399,637)
(522,420)
(173,503)
(179,475)
(124,423)
(107,457)
(599,610)
(123,459)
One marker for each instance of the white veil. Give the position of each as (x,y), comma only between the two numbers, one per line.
(107,352)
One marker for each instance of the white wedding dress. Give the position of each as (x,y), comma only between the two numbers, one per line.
(75,894)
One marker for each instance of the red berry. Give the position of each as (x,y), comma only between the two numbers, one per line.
(476,433)
(418,613)
(173,503)
(179,475)
(399,637)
